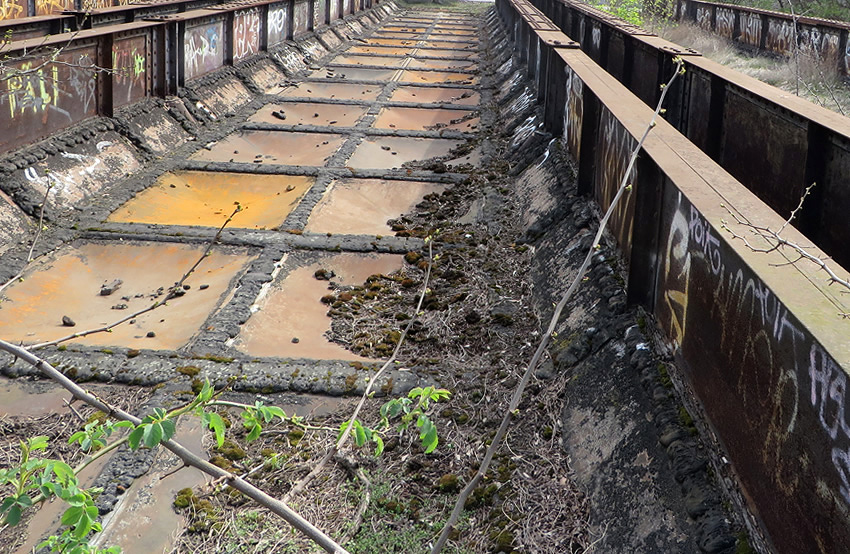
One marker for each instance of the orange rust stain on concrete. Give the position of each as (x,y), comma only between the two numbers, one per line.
(437,77)
(447,53)
(273,147)
(379,61)
(387,42)
(68,284)
(354,73)
(306,113)
(388,50)
(340,91)
(293,309)
(207,199)
(432,95)
(371,153)
(362,206)
(420,119)
(442,64)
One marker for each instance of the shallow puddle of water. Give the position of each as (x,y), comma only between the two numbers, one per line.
(380,61)
(391,152)
(69,282)
(474,158)
(402,29)
(354,73)
(342,91)
(437,77)
(292,309)
(385,42)
(273,147)
(363,206)
(452,46)
(433,95)
(421,119)
(306,113)
(454,33)
(22,398)
(144,521)
(207,199)
(419,63)
(401,36)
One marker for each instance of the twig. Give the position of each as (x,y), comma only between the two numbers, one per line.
(249,490)
(517,395)
(173,292)
(304,481)
(357,520)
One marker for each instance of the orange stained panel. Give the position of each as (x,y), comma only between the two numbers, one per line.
(388,50)
(444,53)
(401,36)
(275,147)
(377,41)
(341,91)
(433,95)
(354,73)
(207,199)
(306,113)
(68,283)
(426,119)
(402,29)
(419,63)
(413,76)
(363,206)
(381,61)
(392,152)
(293,309)
(452,45)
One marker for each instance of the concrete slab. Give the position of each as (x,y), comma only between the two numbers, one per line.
(266,75)
(207,199)
(68,283)
(340,91)
(292,308)
(392,152)
(426,119)
(355,74)
(13,223)
(363,206)
(274,147)
(407,36)
(307,113)
(377,41)
(82,171)
(387,50)
(453,45)
(162,133)
(433,95)
(414,76)
(449,65)
(380,61)
(459,54)
(225,95)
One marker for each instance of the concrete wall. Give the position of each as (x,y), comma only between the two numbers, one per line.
(759,340)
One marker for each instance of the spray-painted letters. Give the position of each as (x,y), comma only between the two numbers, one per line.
(246,34)
(203,49)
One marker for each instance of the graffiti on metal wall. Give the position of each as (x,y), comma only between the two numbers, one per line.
(346,6)
(725,22)
(334,10)
(47,7)
(703,17)
(278,24)
(781,36)
(100,4)
(574,114)
(13,9)
(40,96)
(785,385)
(203,49)
(319,12)
(750,28)
(301,17)
(822,44)
(613,151)
(246,34)
(130,79)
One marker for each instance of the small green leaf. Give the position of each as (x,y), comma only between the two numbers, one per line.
(152,434)
(136,436)
(254,434)
(37,443)
(72,515)
(14,515)
(379,445)
(168,429)
(359,434)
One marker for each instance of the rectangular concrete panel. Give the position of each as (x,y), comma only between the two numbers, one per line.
(420,63)
(304,113)
(68,283)
(273,147)
(363,206)
(392,152)
(426,119)
(291,321)
(436,77)
(207,199)
(433,95)
(341,91)
(354,74)
(380,61)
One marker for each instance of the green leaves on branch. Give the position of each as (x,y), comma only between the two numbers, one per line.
(254,417)
(153,429)
(412,408)
(93,436)
(362,435)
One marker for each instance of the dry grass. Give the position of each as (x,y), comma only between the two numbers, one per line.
(805,75)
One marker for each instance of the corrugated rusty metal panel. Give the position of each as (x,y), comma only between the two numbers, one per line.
(40,97)
(131,80)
